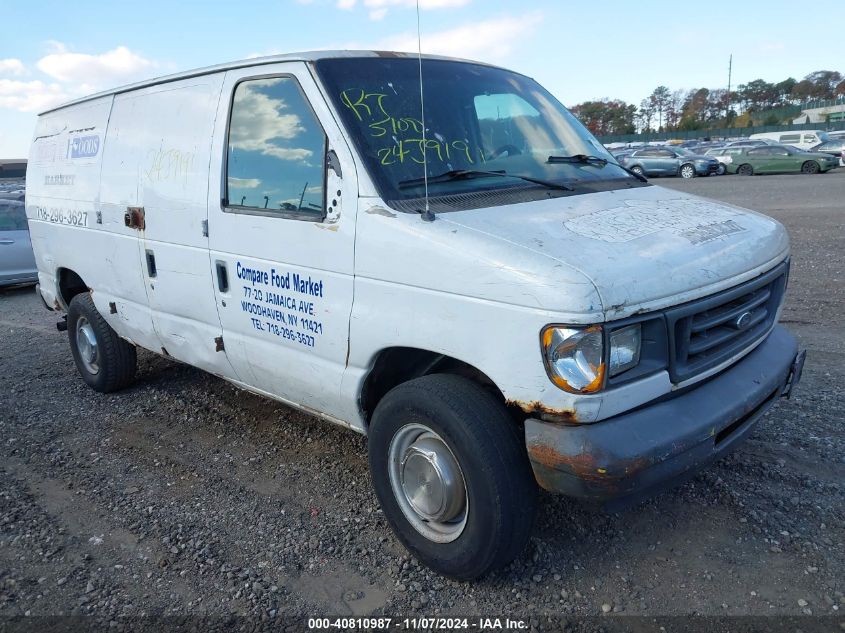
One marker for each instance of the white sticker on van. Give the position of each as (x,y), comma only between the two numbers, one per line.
(696,220)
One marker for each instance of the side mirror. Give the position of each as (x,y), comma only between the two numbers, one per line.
(333,163)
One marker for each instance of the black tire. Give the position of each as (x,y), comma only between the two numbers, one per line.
(115,358)
(745,170)
(637,169)
(722,170)
(490,451)
(810,167)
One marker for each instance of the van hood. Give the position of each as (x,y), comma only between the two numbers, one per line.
(643,249)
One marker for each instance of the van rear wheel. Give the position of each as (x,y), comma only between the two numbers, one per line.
(105,361)
(451,473)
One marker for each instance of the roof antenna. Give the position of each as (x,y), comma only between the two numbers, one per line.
(426,215)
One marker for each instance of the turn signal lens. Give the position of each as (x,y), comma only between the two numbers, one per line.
(625,349)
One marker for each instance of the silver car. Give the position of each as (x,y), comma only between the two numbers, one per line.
(17,262)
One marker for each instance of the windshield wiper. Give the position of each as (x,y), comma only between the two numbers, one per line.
(464,174)
(584,159)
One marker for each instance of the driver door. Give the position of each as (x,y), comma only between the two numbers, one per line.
(281,235)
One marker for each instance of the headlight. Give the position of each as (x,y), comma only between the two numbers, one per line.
(575,357)
(625,346)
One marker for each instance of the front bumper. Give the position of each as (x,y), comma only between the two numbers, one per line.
(633,455)
(706,169)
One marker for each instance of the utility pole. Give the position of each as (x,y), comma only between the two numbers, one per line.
(728,112)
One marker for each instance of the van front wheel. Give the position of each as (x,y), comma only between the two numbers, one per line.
(105,361)
(452,476)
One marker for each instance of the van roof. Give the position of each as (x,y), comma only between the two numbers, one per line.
(307,56)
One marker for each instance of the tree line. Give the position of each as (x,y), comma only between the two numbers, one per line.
(757,102)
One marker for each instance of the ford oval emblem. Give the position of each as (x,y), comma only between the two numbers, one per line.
(743,321)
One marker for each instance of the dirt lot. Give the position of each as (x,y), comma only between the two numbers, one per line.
(182,495)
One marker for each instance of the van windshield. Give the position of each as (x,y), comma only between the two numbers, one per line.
(476,118)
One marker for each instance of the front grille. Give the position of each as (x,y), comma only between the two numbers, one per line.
(707,332)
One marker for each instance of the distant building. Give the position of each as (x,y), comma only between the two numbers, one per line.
(832,113)
(12,168)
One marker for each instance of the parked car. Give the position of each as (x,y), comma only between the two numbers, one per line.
(833,146)
(723,155)
(778,159)
(751,143)
(805,139)
(543,318)
(17,261)
(670,161)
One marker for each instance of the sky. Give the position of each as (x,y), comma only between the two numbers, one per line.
(54,51)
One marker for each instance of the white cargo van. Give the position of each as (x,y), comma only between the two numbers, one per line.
(802,139)
(487,294)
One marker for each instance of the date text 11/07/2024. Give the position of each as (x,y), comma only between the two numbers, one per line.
(418,624)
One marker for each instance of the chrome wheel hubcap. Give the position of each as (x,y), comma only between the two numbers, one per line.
(86,345)
(428,483)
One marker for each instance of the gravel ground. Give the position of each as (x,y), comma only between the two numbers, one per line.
(185,496)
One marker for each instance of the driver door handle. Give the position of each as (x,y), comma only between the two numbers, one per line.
(222,276)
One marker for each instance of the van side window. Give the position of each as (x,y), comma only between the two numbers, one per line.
(276,151)
(790,138)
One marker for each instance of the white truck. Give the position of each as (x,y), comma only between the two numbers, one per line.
(479,288)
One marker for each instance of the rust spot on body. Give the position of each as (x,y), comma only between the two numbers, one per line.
(585,465)
(134,218)
(535,406)
(582,464)
(380,211)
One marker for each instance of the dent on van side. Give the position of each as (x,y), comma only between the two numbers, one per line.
(486,294)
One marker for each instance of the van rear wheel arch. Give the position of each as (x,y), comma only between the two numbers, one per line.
(70,285)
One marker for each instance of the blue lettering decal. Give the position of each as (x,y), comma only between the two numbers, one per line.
(84,146)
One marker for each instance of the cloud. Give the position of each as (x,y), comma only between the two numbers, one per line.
(31,96)
(12,66)
(492,39)
(258,120)
(378,8)
(770,47)
(72,75)
(115,66)
(244,183)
